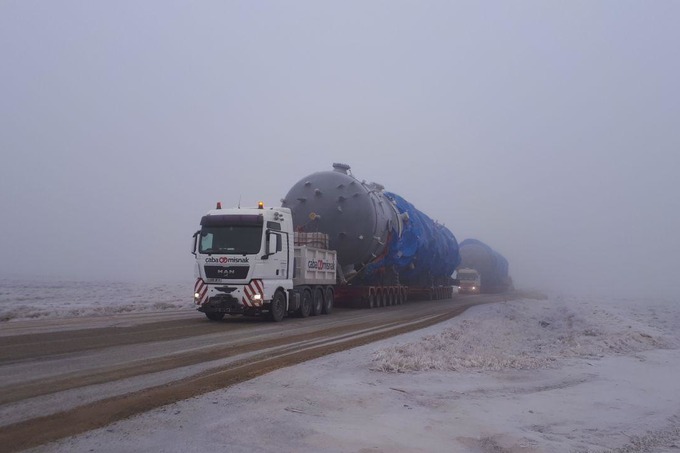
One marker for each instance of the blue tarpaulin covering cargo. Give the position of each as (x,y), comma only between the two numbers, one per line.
(426,253)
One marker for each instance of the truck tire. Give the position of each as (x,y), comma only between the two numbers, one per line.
(305,303)
(277,307)
(328,301)
(317,301)
(214,316)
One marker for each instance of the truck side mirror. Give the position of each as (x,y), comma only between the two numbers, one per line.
(272,241)
(273,244)
(193,247)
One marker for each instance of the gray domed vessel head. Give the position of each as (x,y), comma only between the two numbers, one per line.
(356,216)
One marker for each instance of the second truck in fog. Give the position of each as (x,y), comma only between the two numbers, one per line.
(482,269)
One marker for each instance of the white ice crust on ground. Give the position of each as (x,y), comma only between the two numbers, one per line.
(27,299)
(564,374)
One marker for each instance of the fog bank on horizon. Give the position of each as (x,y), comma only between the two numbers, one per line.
(548,131)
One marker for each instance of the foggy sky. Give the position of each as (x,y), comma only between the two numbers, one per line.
(548,130)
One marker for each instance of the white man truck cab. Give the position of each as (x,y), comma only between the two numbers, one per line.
(244,266)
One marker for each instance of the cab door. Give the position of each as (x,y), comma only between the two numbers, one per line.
(277,247)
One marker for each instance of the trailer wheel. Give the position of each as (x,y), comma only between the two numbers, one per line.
(277,307)
(305,303)
(372,299)
(214,316)
(328,301)
(317,303)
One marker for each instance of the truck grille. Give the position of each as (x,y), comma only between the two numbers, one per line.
(227,272)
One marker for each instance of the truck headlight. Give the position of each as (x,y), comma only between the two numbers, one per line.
(197,296)
(257,297)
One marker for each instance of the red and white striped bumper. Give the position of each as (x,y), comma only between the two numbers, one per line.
(249,290)
(243,293)
(200,292)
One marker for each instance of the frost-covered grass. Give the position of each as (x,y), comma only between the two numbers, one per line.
(661,440)
(531,334)
(22,299)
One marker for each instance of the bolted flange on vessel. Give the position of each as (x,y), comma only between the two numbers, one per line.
(380,237)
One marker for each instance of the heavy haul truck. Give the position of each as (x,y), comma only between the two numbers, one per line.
(334,240)
(482,269)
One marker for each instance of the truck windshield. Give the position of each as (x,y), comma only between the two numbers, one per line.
(232,239)
(467,276)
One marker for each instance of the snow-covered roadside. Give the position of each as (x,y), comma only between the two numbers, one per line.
(49,299)
(562,374)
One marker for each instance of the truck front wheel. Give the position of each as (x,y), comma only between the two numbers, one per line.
(277,308)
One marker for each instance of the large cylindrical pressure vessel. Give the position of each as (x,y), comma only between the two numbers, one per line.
(356,216)
(491,265)
(377,234)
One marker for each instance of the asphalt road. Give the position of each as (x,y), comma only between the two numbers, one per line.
(60,377)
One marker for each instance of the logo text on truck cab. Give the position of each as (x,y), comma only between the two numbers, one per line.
(227,259)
